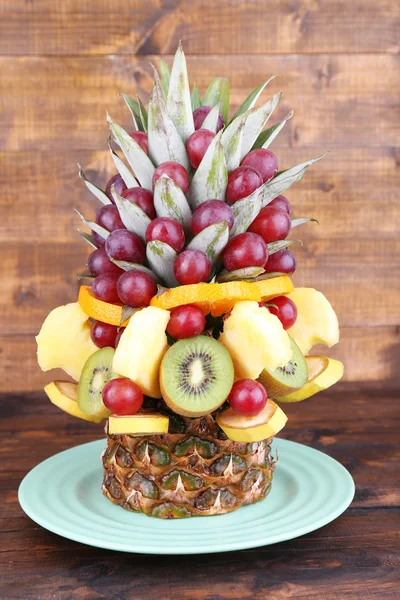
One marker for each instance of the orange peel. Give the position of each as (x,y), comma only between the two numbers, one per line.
(98,309)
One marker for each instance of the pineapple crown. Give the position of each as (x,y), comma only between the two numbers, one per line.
(168,123)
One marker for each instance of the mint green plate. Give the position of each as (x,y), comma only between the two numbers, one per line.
(63,494)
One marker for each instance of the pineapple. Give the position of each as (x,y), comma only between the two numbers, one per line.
(204,257)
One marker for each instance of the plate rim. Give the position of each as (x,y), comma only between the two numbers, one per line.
(230,546)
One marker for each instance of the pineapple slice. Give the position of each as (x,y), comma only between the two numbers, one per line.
(316,322)
(141,424)
(141,349)
(323,373)
(64,340)
(63,394)
(255,340)
(265,425)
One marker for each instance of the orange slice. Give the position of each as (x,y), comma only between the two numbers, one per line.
(277,286)
(214,298)
(98,309)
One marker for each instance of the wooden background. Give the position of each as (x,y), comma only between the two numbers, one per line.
(64,62)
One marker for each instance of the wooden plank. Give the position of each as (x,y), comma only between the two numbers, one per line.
(369,353)
(136,27)
(347,192)
(335,97)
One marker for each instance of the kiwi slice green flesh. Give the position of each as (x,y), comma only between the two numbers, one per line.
(284,380)
(96,372)
(196,376)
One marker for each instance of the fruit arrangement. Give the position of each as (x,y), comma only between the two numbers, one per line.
(188,332)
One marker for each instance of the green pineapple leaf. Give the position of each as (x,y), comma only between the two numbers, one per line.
(161,258)
(165,73)
(195,98)
(240,274)
(252,98)
(132,216)
(128,266)
(280,245)
(211,177)
(218,93)
(88,238)
(94,226)
(143,114)
(170,201)
(269,276)
(122,169)
(266,137)
(212,241)
(231,141)
(135,112)
(245,211)
(256,122)
(165,143)
(211,120)
(126,313)
(137,159)
(296,222)
(179,105)
(83,276)
(284,179)
(96,191)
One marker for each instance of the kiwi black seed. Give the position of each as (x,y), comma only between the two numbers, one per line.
(95,374)
(196,376)
(286,379)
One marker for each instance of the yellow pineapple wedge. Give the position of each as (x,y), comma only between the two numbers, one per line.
(140,424)
(323,373)
(265,425)
(64,340)
(141,349)
(255,340)
(64,395)
(316,322)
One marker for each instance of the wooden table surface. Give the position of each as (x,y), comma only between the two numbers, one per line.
(356,557)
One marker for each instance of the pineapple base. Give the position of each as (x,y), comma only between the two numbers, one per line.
(178,475)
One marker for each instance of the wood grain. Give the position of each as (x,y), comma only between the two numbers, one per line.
(336,98)
(353,558)
(208,27)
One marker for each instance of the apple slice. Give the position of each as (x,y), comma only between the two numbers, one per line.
(323,372)
(139,424)
(63,394)
(265,425)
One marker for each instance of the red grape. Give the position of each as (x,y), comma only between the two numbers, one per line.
(109,218)
(263,161)
(209,212)
(241,183)
(176,172)
(247,397)
(282,261)
(98,240)
(286,311)
(142,198)
(192,266)
(272,224)
(105,287)
(245,250)
(166,230)
(122,396)
(200,114)
(197,145)
(119,185)
(122,244)
(98,263)
(136,288)
(141,138)
(119,334)
(103,334)
(186,321)
(282,203)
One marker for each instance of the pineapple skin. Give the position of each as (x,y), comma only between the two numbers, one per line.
(177,475)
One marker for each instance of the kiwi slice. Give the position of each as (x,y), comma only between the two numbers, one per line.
(196,376)
(284,380)
(96,372)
